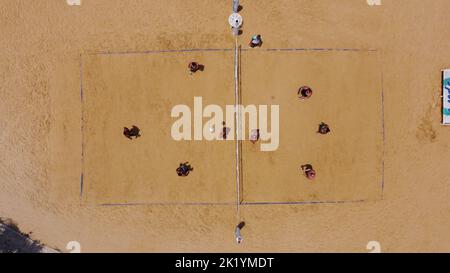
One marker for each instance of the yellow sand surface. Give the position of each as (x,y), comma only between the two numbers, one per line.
(347,96)
(48,49)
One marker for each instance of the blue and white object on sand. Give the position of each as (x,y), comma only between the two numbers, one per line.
(446,97)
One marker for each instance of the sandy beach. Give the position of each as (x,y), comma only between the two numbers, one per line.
(385,158)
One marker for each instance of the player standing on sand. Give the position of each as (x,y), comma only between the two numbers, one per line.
(235,6)
(237,232)
(256,41)
(254,136)
(304,92)
(194,67)
(309,171)
(323,128)
(133,132)
(225,131)
(184,169)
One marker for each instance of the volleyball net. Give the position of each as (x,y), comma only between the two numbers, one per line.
(238,130)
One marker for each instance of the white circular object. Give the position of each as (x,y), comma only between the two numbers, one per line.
(235,20)
(212,129)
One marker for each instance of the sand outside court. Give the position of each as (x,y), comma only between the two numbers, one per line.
(401,48)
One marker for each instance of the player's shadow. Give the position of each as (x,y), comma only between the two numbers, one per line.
(201,67)
(241,225)
(240,31)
